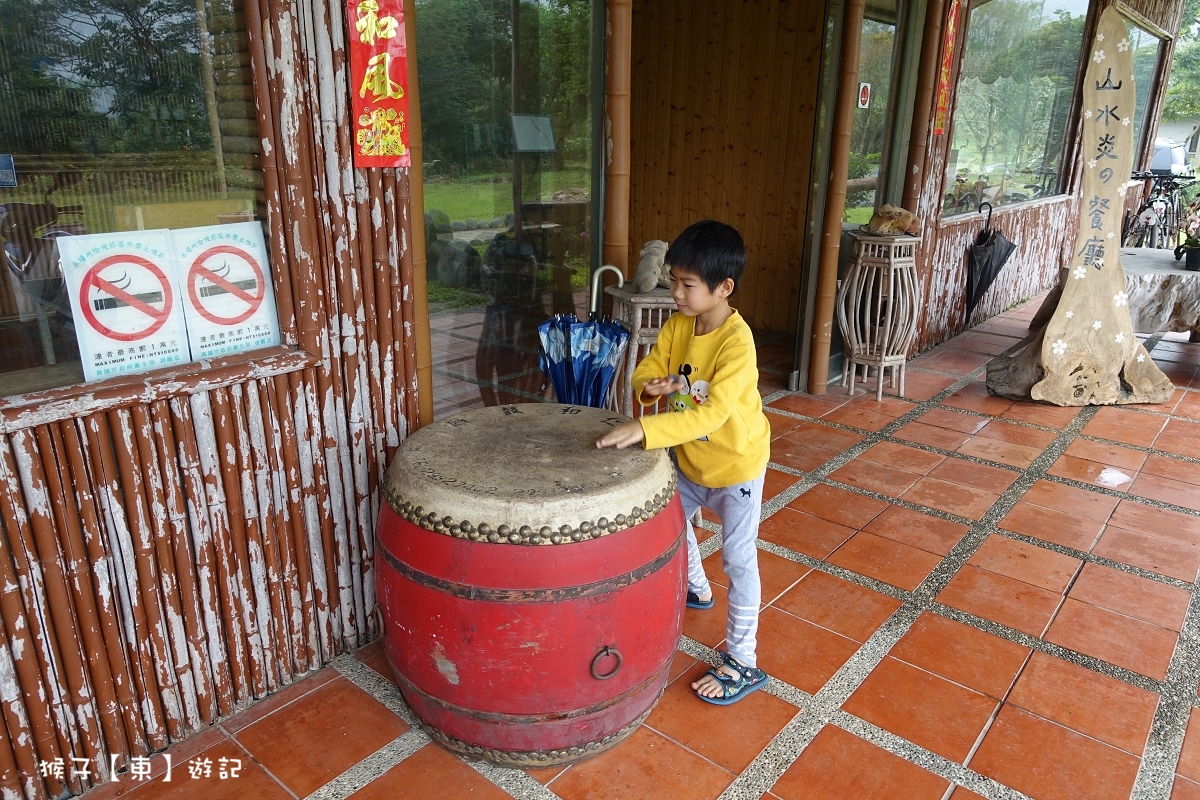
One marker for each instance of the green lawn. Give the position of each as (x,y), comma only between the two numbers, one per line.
(489,196)
(860,216)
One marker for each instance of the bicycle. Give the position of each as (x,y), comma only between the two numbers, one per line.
(1156,222)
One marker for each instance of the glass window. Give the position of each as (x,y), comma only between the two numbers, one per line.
(1145,59)
(129,126)
(507,127)
(871,116)
(1016,83)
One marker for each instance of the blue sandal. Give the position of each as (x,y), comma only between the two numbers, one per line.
(693,601)
(749,679)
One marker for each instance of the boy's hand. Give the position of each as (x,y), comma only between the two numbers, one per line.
(657,387)
(622,436)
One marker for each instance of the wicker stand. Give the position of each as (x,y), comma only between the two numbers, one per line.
(878,304)
(644,314)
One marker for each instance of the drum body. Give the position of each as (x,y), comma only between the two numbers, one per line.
(540,629)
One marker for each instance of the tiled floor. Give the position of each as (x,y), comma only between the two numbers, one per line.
(963,597)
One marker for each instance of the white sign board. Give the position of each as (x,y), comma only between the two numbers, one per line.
(225,285)
(864,95)
(127,312)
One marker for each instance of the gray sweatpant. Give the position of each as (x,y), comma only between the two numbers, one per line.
(740,508)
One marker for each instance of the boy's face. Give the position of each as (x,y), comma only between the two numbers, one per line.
(692,295)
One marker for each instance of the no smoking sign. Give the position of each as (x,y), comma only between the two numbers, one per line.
(225,285)
(126,298)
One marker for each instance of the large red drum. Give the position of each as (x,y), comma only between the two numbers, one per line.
(532,586)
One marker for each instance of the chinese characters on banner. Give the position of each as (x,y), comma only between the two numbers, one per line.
(942,106)
(379,83)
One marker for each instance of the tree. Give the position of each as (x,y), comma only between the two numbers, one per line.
(1183,88)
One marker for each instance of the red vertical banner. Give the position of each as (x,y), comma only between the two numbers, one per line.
(379,83)
(942,106)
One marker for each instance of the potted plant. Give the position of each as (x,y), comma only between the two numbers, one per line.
(1189,250)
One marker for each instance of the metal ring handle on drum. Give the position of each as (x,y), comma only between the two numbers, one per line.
(606,651)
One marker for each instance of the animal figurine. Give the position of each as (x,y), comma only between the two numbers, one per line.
(650,270)
(892,221)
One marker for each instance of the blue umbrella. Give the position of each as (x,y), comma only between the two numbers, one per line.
(581,359)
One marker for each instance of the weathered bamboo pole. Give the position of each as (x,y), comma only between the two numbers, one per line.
(208,586)
(835,197)
(412,229)
(19,774)
(318,526)
(927,71)
(618,67)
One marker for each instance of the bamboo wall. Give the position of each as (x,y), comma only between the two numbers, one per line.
(723,115)
(1043,230)
(180,544)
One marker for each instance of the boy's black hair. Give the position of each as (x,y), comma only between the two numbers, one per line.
(711,250)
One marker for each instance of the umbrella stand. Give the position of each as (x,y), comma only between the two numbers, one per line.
(988,254)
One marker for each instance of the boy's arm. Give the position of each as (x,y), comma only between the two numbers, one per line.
(734,376)
(656,364)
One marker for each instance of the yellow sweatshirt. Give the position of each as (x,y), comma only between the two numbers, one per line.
(720,433)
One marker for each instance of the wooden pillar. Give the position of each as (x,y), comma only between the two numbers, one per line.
(417,210)
(618,67)
(835,197)
(918,140)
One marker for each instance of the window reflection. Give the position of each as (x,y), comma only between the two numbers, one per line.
(1145,59)
(506,129)
(1016,83)
(868,141)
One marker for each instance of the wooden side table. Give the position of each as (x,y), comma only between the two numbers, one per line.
(878,305)
(644,314)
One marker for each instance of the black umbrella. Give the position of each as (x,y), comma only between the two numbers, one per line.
(988,254)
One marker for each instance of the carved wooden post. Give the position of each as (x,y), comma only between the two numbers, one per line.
(1086,353)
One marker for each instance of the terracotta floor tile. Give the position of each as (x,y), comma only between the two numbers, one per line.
(931,435)
(974,397)
(799,652)
(283,697)
(900,456)
(1109,454)
(927,710)
(1173,468)
(977,476)
(1189,757)
(919,530)
(960,653)
(1003,431)
(1054,417)
(305,745)
(1000,599)
(951,497)
(1115,638)
(885,560)
(953,362)
(962,793)
(781,424)
(775,574)
(1187,404)
(839,505)
(1045,760)
(707,626)
(807,404)
(1169,407)
(546,774)
(791,453)
(1025,562)
(891,406)
(431,773)
(1078,469)
(1131,595)
(1130,417)
(824,437)
(954,420)
(804,533)
(838,765)
(859,417)
(251,783)
(646,765)
(730,741)
(680,663)
(1150,553)
(1052,526)
(919,391)
(1015,455)
(380,664)
(875,477)
(1183,789)
(1172,525)
(1080,502)
(1126,429)
(1167,490)
(775,483)
(980,343)
(847,608)
(1088,702)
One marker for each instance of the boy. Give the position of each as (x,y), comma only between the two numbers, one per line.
(705,360)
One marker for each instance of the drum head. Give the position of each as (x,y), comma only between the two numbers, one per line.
(526,474)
